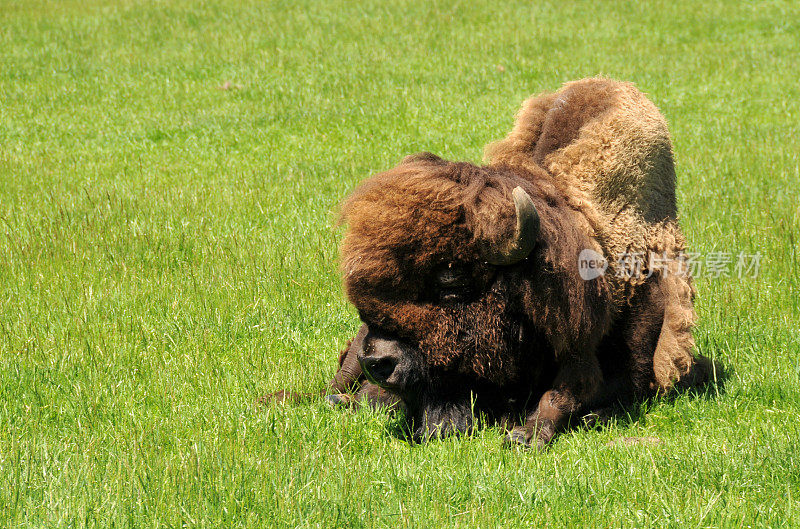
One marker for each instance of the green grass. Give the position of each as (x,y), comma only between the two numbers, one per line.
(168,253)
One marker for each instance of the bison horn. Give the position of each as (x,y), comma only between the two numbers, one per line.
(516,248)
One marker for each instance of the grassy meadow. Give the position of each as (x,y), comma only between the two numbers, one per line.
(168,252)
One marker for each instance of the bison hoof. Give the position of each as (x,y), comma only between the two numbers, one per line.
(518,437)
(537,436)
(544,431)
(338,400)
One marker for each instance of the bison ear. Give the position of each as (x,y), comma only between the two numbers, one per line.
(504,249)
(426,157)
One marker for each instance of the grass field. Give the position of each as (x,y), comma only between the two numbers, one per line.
(168,254)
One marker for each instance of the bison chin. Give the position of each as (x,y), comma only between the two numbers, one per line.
(440,417)
(456,405)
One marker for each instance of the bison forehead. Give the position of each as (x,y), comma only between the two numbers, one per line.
(403,223)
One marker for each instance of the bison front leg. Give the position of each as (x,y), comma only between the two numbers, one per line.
(576,385)
(348,378)
(349,375)
(369,394)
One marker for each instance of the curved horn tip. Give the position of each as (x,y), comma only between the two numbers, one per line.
(522,197)
(525,232)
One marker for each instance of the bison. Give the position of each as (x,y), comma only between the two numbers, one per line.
(466,277)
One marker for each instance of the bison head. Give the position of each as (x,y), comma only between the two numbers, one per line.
(437,259)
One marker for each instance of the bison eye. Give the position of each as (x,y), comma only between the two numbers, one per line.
(452,276)
(452,283)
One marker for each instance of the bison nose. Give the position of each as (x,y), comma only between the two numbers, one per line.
(381,361)
(378,370)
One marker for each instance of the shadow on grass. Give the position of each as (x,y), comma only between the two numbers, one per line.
(619,414)
(630,411)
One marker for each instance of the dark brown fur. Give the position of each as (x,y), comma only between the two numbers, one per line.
(527,344)
(396,238)
(426,213)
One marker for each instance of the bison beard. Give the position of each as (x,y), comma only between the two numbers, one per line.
(466,277)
